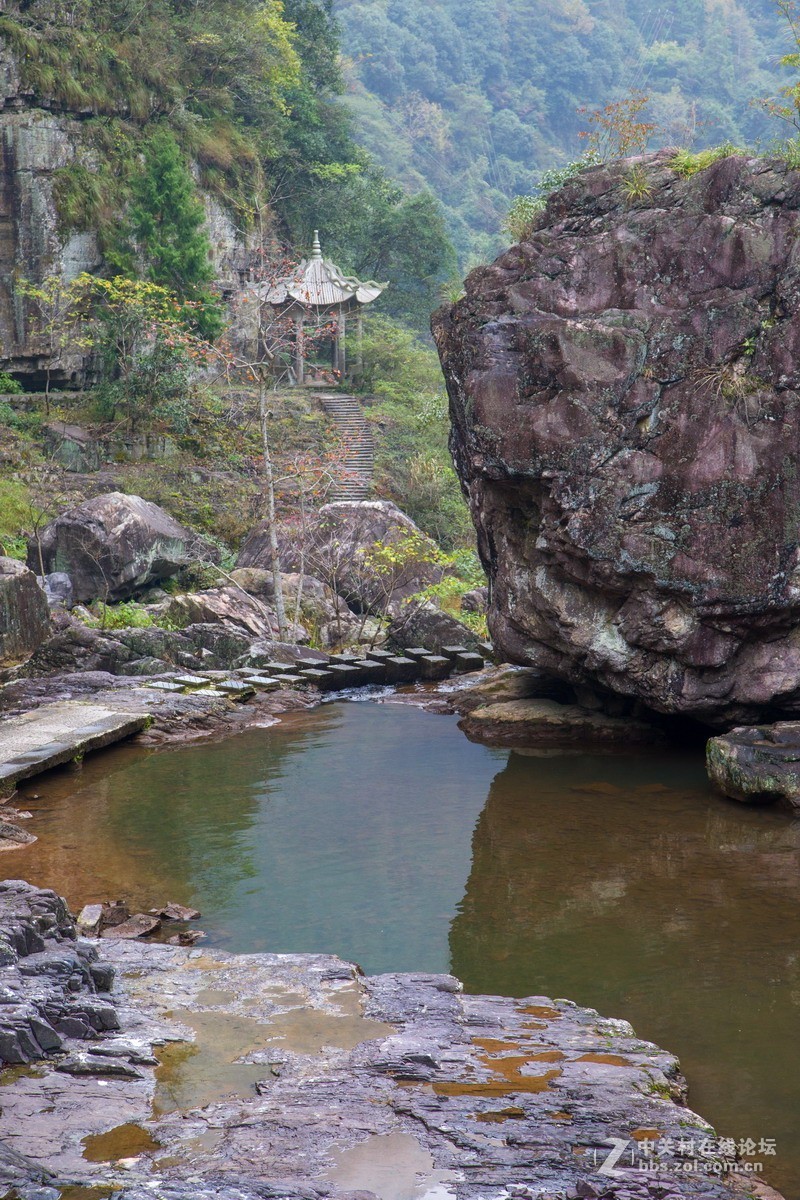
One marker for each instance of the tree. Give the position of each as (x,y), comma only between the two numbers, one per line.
(258,350)
(167,228)
(616,131)
(787,109)
(144,350)
(57,305)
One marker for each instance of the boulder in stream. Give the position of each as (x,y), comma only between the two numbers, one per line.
(625,400)
(758,765)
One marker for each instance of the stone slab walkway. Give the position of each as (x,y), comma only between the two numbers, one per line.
(58,733)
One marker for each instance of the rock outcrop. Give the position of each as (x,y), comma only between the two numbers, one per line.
(294,1075)
(24,613)
(114,545)
(625,398)
(39,144)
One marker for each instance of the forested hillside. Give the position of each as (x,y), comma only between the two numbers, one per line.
(476,99)
(250,90)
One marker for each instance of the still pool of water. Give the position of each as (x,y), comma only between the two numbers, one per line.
(377,832)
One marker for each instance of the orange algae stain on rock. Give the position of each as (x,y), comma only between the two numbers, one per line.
(542,1011)
(504,1114)
(497,1087)
(560,1116)
(124,1141)
(609,1060)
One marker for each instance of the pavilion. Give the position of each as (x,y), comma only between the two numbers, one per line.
(319,286)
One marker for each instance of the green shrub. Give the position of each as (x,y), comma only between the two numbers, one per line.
(688,162)
(125,615)
(9,386)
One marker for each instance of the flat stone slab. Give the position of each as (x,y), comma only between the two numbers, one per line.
(264,683)
(202,1075)
(531,722)
(236,689)
(56,734)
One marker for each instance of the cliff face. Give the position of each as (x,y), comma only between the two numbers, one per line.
(37,143)
(625,399)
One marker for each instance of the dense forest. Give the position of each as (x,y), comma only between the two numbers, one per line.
(476,100)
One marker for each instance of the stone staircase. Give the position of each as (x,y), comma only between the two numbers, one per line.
(355,482)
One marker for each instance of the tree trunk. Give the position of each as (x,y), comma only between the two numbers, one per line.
(269,482)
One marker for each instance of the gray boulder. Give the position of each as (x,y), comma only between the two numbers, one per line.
(337,548)
(421,624)
(229,606)
(114,545)
(24,614)
(58,589)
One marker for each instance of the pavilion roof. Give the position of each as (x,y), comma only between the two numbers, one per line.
(319,283)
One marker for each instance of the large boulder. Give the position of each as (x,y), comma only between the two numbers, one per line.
(24,613)
(625,397)
(230,606)
(420,623)
(345,545)
(114,545)
(758,764)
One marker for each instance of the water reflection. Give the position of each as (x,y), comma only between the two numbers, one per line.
(346,830)
(653,901)
(620,882)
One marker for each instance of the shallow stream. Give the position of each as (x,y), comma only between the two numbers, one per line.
(379,833)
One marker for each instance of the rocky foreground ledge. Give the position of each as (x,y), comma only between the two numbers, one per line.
(208,1075)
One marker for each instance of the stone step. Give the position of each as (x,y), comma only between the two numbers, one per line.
(59,733)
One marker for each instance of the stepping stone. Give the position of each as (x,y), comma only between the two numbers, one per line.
(453,651)
(309,664)
(486,649)
(237,689)
(161,685)
(416,652)
(292,680)
(192,681)
(468,661)
(345,658)
(215,693)
(343,675)
(369,671)
(324,680)
(400,670)
(379,655)
(434,666)
(264,683)
(278,668)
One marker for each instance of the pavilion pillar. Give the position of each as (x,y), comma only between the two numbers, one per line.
(299,350)
(341,344)
(359,340)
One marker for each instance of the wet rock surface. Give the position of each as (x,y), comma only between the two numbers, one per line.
(626,417)
(296,1076)
(532,722)
(758,765)
(53,990)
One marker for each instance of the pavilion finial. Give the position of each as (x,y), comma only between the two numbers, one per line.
(316,250)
